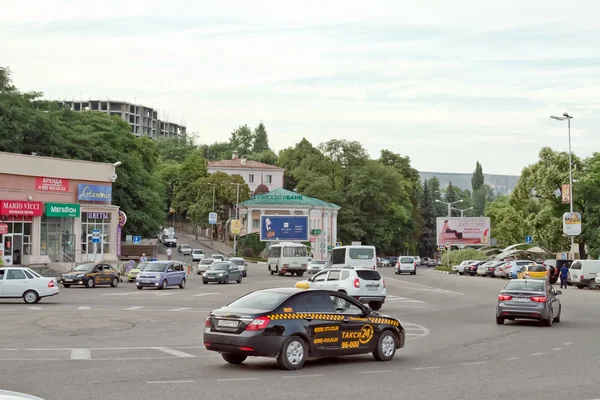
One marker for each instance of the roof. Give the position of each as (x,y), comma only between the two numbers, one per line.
(237,164)
(285,197)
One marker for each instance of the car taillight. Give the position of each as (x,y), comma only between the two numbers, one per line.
(581,277)
(207,322)
(526,275)
(357,283)
(539,299)
(258,324)
(51,284)
(500,269)
(375,267)
(415,264)
(504,297)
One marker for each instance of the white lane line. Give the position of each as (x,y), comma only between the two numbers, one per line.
(413,334)
(557,349)
(35,308)
(133,308)
(165,294)
(176,353)
(181,309)
(101,348)
(205,294)
(511,359)
(80,354)
(425,287)
(301,376)
(31,359)
(474,363)
(161,382)
(84,308)
(375,372)
(422,368)
(537,354)
(237,379)
(117,294)
(567,343)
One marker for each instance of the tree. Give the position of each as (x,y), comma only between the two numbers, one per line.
(260,139)
(436,194)
(265,157)
(480,191)
(174,149)
(189,172)
(297,162)
(508,225)
(428,239)
(477,180)
(242,139)
(451,196)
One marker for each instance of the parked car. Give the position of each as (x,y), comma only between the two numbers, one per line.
(472,268)
(241,263)
(184,249)
(204,265)
(460,268)
(514,267)
(222,272)
(583,273)
(432,262)
(502,270)
(161,275)
(393,260)
(535,271)
(383,262)
(424,261)
(17,282)
(488,268)
(418,260)
(197,255)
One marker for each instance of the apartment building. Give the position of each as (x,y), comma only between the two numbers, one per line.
(144,121)
(254,173)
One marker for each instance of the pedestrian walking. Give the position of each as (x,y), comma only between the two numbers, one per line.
(169,254)
(564,275)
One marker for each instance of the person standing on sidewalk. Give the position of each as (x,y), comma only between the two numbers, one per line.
(564,275)
(169,254)
(143,258)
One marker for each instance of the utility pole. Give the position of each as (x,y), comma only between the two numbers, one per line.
(237,206)
(212,226)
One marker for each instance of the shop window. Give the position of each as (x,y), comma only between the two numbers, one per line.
(57,240)
(91,221)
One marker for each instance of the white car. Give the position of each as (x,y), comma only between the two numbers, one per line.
(241,264)
(316,266)
(460,268)
(197,255)
(218,257)
(204,265)
(16,282)
(364,284)
(406,264)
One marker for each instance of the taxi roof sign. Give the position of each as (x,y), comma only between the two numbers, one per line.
(302,285)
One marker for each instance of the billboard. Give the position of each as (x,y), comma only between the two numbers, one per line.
(275,228)
(465,231)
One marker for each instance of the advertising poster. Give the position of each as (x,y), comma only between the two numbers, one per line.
(274,228)
(465,231)
(572,224)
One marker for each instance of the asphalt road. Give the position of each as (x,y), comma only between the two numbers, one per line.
(127,344)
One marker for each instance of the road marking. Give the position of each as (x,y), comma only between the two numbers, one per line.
(176,353)
(80,354)
(511,359)
(31,359)
(537,354)
(425,287)
(375,372)
(35,308)
(421,368)
(133,308)
(165,294)
(237,379)
(161,382)
(117,294)
(101,348)
(181,309)
(301,376)
(474,363)
(205,294)
(84,308)
(557,349)
(403,299)
(567,343)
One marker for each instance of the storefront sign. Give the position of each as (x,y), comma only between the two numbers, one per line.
(14,207)
(3,229)
(281,198)
(63,210)
(122,218)
(94,193)
(119,235)
(52,184)
(97,215)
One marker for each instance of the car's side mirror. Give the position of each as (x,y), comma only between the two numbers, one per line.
(367,311)
(557,292)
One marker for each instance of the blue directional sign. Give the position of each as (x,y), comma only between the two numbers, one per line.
(137,239)
(528,239)
(96,236)
(212,218)
(338,244)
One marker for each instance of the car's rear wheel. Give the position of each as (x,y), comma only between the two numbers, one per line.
(500,320)
(182,284)
(548,322)
(292,354)
(376,305)
(233,358)
(592,284)
(115,282)
(90,283)
(300,273)
(31,297)
(386,347)
(130,280)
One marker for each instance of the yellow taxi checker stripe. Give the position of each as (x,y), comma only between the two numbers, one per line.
(329,317)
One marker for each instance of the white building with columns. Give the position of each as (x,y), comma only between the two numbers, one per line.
(322,216)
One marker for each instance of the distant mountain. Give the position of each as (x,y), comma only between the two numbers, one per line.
(502,184)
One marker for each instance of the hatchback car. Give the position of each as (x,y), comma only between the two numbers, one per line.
(406,265)
(241,264)
(204,265)
(197,255)
(184,249)
(133,273)
(316,266)
(535,271)
(161,275)
(532,299)
(222,272)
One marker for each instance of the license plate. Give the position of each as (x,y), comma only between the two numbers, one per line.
(227,324)
(520,300)
(372,287)
(68,280)
(145,281)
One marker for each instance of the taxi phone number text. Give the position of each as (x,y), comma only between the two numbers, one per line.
(326,340)
(327,329)
(351,345)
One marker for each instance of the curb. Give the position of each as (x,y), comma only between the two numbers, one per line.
(441,272)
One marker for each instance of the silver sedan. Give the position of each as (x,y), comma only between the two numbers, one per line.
(531,299)
(316,265)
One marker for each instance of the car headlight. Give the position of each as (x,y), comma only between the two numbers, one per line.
(220,275)
(204,274)
(79,276)
(157,276)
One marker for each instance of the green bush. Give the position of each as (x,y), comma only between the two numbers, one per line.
(248,252)
(458,256)
(251,241)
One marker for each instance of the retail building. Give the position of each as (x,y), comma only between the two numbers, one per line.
(56,211)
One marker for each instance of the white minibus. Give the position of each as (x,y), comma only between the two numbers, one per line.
(287,257)
(354,256)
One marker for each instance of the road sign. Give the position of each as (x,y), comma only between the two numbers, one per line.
(440,247)
(236,226)
(528,239)
(338,244)
(356,243)
(96,236)
(212,218)
(137,239)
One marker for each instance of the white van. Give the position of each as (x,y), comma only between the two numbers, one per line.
(287,257)
(583,273)
(354,256)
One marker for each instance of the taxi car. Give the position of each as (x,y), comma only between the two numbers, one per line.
(532,299)
(292,324)
(91,275)
(534,271)
(133,273)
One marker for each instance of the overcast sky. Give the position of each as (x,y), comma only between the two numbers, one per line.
(445,82)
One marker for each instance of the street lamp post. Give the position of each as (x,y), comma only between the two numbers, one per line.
(462,212)
(449,205)
(567,117)
(212,226)
(237,206)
